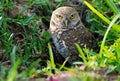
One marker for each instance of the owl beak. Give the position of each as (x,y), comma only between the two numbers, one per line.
(66,23)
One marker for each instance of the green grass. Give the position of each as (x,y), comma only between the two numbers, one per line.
(32,51)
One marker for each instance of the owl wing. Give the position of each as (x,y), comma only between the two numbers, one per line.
(60,46)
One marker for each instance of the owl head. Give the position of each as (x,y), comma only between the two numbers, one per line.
(64,17)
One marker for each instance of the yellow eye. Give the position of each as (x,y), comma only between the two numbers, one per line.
(59,16)
(72,16)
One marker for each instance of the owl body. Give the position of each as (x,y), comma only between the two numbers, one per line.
(67,29)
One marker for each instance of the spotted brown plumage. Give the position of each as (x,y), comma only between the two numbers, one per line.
(67,29)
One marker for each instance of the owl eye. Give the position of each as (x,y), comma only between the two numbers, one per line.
(72,16)
(59,16)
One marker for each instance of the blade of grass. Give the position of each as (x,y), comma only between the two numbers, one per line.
(115,26)
(111,4)
(13,71)
(51,56)
(66,68)
(81,53)
(64,63)
(7,1)
(30,69)
(34,63)
(105,36)
(2,12)
(1,21)
(27,20)
(13,55)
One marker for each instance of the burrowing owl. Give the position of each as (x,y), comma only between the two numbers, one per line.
(66,29)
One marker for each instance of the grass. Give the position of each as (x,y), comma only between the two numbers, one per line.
(26,51)
(51,57)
